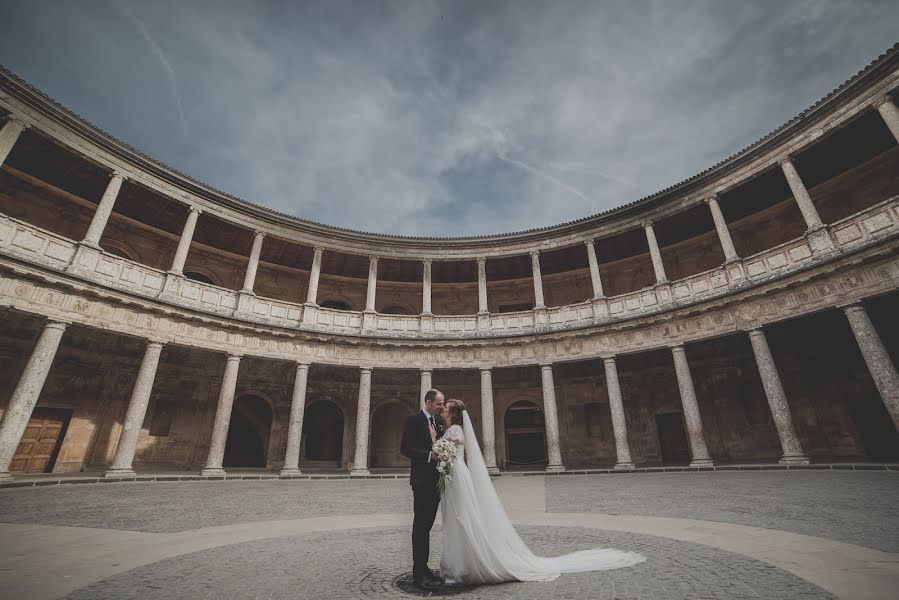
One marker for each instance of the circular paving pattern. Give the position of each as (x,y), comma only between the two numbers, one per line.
(366,563)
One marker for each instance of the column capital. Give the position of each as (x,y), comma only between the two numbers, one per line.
(365,370)
(118,175)
(854,306)
(646,223)
(755,331)
(303,364)
(427,261)
(234,356)
(676,346)
(424,370)
(57,324)
(589,242)
(155,344)
(318,249)
(373,258)
(886,98)
(196,209)
(481,259)
(535,254)
(485,369)
(711,199)
(258,233)
(18,120)
(545,366)
(783,160)
(607,358)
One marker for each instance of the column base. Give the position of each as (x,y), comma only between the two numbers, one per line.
(5,477)
(493,470)
(290,472)
(212,473)
(705,462)
(119,473)
(359,472)
(796,459)
(628,466)
(555,468)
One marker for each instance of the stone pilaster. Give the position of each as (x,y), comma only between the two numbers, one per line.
(538,280)
(881,367)
(777,400)
(137,410)
(295,426)
(619,423)
(553,449)
(104,209)
(885,106)
(488,427)
(425,386)
(187,236)
(727,244)
(594,270)
(657,264)
(28,389)
(249,279)
(314,274)
(698,446)
(372,290)
(9,134)
(482,285)
(222,418)
(426,287)
(363,407)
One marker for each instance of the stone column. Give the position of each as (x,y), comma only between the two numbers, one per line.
(295,426)
(777,400)
(488,428)
(250,278)
(372,284)
(553,450)
(425,386)
(360,460)
(104,209)
(806,206)
(594,270)
(657,264)
(698,448)
(314,273)
(482,285)
(137,409)
(426,288)
(538,280)
(619,423)
(9,134)
(187,236)
(727,244)
(25,396)
(885,106)
(222,418)
(882,369)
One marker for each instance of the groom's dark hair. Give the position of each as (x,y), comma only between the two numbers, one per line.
(431,395)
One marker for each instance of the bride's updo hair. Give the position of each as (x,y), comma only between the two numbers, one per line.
(455,408)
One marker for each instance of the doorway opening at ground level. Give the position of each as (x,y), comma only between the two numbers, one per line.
(525,436)
(386,436)
(673,443)
(248,433)
(40,444)
(322,441)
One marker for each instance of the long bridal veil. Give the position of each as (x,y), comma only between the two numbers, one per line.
(505,541)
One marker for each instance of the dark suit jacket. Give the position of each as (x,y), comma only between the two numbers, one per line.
(417,445)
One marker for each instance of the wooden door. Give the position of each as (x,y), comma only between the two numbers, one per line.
(41,441)
(673,438)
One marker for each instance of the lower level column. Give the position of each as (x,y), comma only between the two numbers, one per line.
(698,448)
(553,450)
(222,418)
(25,396)
(295,427)
(619,424)
(360,459)
(137,410)
(777,400)
(488,427)
(881,367)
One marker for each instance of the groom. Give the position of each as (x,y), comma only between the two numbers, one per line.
(421,431)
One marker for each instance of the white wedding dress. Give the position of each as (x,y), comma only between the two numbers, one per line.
(480,545)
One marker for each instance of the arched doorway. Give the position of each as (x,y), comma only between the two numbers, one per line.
(248,433)
(387,435)
(322,439)
(525,436)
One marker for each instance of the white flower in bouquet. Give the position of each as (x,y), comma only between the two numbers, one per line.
(445,452)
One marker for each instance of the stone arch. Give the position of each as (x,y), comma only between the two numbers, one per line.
(321,442)
(387,423)
(336,304)
(524,434)
(249,431)
(121,249)
(397,309)
(201,274)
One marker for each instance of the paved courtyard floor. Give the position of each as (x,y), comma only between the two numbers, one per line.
(707,535)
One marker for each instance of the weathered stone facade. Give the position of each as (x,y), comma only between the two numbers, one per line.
(746,314)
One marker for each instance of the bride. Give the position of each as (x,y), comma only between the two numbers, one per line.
(479,543)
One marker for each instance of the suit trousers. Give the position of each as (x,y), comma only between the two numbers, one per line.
(425,500)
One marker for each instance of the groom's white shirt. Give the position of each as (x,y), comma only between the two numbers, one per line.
(429,416)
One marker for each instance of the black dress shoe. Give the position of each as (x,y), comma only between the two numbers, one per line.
(436,575)
(429,581)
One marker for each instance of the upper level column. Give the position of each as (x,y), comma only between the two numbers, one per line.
(372,283)
(806,206)
(314,274)
(538,280)
(10,132)
(657,264)
(727,244)
(885,106)
(482,285)
(250,278)
(187,236)
(426,287)
(104,209)
(594,270)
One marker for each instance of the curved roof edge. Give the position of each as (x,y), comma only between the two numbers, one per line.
(37,99)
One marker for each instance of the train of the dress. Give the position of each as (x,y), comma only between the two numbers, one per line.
(481,546)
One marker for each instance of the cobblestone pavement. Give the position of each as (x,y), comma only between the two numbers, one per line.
(365,563)
(854,507)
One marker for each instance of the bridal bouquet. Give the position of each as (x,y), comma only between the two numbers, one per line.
(445,451)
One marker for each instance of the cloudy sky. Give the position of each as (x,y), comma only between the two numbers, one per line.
(446,117)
